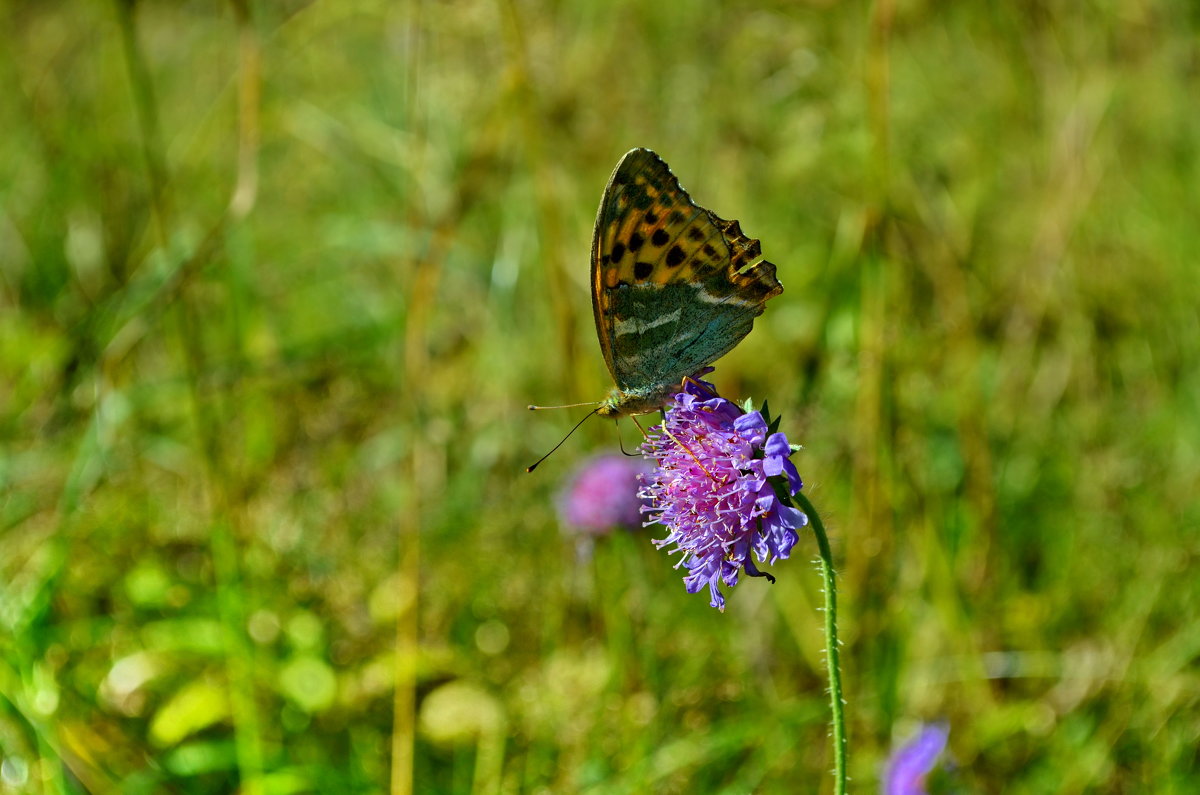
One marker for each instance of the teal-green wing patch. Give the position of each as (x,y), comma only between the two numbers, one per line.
(662,334)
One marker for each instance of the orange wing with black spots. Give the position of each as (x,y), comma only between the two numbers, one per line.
(650,236)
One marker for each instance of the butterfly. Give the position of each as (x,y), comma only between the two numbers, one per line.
(674,286)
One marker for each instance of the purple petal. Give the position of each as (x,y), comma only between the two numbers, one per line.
(751,427)
(912,761)
(794,481)
(792,517)
(777,461)
(710,489)
(776,465)
(777,445)
(602,494)
(779,533)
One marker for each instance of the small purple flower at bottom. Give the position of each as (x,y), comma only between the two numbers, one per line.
(602,494)
(912,761)
(718,487)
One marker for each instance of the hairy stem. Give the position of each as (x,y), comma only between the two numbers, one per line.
(832,654)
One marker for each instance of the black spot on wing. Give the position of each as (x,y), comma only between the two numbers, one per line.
(635,242)
(660,237)
(618,252)
(675,256)
(642,270)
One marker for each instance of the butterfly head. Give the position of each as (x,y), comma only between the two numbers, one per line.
(622,403)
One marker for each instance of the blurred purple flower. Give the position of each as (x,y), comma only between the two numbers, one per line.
(715,489)
(602,494)
(912,761)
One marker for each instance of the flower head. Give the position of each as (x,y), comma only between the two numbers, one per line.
(912,761)
(720,487)
(602,494)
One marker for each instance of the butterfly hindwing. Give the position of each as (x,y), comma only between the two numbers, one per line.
(674,287)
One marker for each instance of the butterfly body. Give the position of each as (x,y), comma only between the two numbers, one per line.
(674,286)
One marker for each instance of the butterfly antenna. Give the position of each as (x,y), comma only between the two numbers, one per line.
(621,442)
(568,436)
(568,406)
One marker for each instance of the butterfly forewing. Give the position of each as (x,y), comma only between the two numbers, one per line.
(674,287)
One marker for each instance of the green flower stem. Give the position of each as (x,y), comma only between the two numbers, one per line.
(832,653)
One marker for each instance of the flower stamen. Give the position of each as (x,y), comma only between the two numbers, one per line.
(688,450)
(725,495)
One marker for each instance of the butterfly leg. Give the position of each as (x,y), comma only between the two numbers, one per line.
(638,424)
(692,379)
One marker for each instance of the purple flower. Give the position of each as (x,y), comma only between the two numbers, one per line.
(602,494)
(912,761)
(718,488)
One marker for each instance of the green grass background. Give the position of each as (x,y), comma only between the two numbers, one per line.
(277,280)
